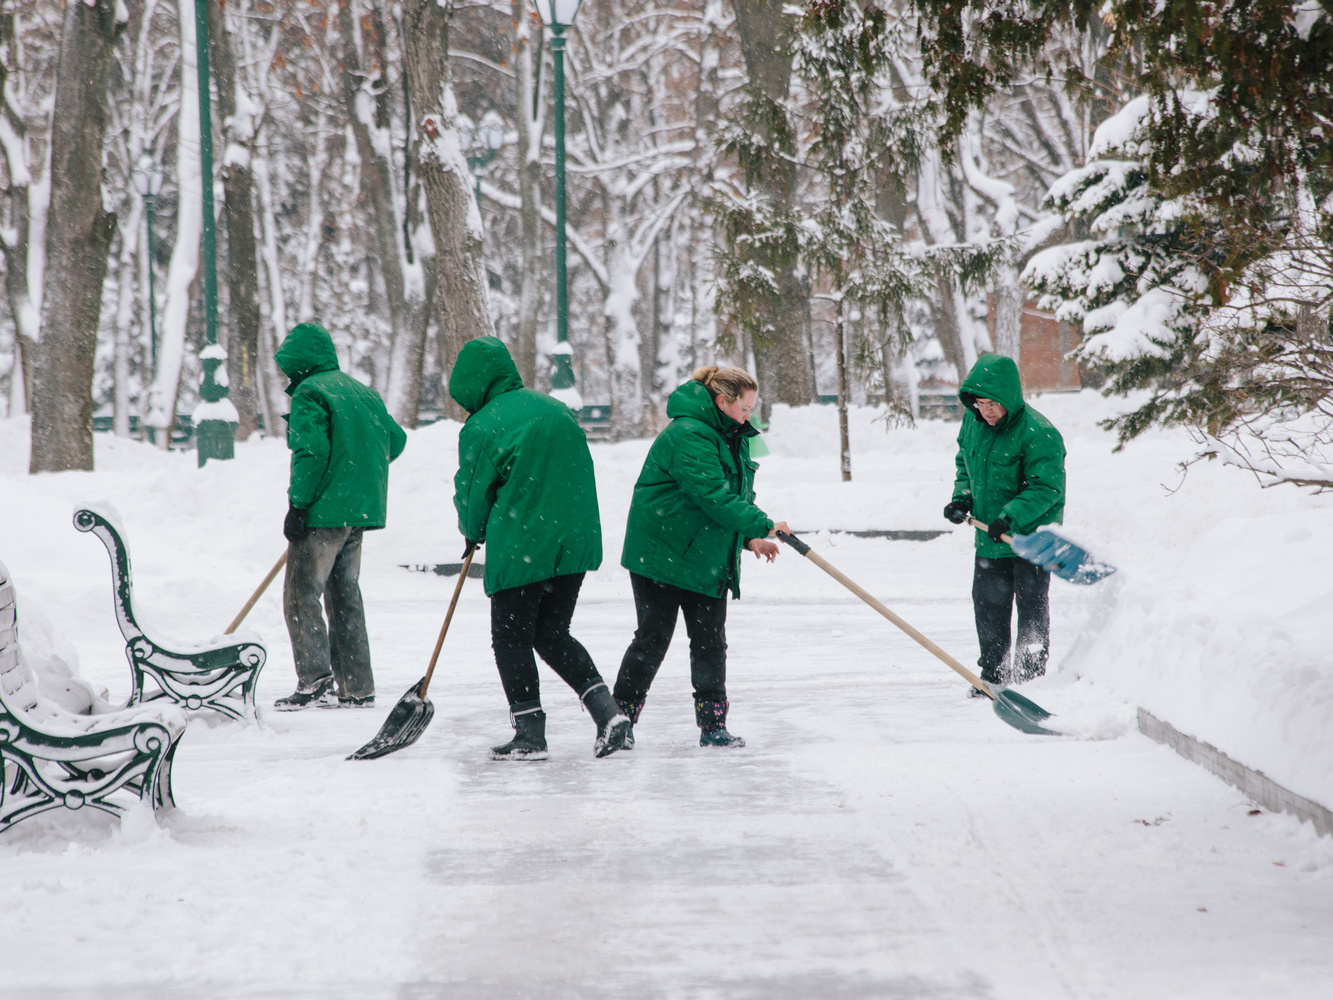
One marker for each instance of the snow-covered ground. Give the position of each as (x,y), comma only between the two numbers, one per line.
(881,836)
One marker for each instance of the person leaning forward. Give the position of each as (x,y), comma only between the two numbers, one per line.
(342,441)
(525,488)
(1010,476)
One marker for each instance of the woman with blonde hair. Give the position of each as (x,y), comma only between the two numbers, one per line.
(692,513)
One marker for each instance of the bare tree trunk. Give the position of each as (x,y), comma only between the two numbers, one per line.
(785,373)
(24,243)
(404,285)
(1008,312)
(839,344)
(462,304)
(78,241)
(530,115)
(243,317)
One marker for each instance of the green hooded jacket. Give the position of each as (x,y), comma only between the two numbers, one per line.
(341,436)
(693,507)
(1015,469)
(525,482)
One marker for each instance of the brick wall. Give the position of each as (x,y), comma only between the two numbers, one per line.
(1045,342)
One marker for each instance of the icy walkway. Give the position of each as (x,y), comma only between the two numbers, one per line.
(881,837)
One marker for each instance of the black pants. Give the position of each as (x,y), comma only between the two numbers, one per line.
(705,621)
(996,585)
(326,565)
(537,616)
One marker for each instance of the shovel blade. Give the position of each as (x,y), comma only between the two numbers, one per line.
(402,728)
(1057,554)
(1022,713)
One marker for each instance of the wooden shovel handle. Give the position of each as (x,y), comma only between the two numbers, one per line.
(862,593)
(1007,539)
(259,592)
(449,615)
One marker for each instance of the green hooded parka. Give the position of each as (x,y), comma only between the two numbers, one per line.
(341,436)
(1015,469)
(525,483)
(693,507)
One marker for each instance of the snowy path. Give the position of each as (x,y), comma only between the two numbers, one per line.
(881,837)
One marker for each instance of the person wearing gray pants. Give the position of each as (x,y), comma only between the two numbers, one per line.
(327,562)
(342,441)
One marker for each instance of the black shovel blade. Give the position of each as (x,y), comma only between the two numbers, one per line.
(1022,713)
(402,728)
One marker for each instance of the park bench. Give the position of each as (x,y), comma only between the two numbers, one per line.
(219,674)
(51,758)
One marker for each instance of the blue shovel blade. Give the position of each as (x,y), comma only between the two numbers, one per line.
(1057,554)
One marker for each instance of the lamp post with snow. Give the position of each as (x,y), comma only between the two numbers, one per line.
(148,182)
(215,418)
(559,15)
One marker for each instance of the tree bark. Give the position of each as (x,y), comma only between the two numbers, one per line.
(404,284)
(462,305)
(24,249)
(785,373)
(78,241)
(243,316)
(530,116)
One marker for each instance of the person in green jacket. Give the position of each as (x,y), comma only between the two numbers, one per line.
(1010,476)
(342,441)
(693,511)
(525,488)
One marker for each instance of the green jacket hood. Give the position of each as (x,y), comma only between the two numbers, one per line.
(306,350)
(484,370)
(693,400)
(994,376)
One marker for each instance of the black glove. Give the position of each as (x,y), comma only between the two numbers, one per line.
(467,549)
(293,525)
(957,510)
(1000,526)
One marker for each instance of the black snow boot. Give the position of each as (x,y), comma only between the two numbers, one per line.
(320,695)
(612,724)
(529,742)
(632,709)
(992,679)
(712,719)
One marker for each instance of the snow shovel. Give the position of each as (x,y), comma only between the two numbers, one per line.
(1021,713)
(259,592)
(1054,553)
(413,713)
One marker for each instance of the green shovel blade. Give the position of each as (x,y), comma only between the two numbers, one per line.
(1022,713)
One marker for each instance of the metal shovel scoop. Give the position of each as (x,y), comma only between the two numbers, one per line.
(413,713)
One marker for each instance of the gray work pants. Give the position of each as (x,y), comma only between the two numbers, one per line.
(326,564)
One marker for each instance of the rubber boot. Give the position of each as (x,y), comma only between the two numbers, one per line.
(632,709)
(712,719)
(612,724)
(529,742)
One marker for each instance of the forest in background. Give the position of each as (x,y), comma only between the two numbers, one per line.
(830,194)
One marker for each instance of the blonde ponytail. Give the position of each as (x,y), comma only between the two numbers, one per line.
(730,383)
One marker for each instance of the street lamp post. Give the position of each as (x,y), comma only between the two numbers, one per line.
(484,142)
(559,15)
(215,418)
(148,182)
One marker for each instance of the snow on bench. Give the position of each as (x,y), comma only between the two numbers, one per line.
(219,674)
(51,758)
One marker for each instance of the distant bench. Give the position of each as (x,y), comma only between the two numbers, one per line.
(51,758)
(219,674)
